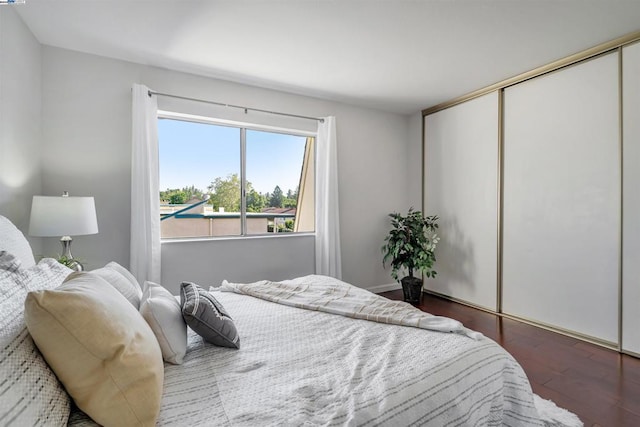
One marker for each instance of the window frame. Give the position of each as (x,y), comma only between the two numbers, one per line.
(243,127)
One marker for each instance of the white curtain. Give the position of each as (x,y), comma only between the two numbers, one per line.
(145,202)
(328,258)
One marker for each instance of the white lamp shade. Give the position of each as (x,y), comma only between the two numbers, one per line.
(62,216)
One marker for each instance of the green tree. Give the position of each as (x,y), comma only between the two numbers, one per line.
(225,193)
(166,194)
(192,192)
(177,196)
(255,201)
(289,202)
(276,198)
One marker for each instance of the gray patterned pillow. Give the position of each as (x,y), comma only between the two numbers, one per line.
(206,316)
(30,393)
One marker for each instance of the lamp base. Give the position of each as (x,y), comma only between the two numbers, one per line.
(66,258)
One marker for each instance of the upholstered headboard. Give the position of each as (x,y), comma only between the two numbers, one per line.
(13,241)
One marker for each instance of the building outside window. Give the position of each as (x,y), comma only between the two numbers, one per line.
(220,178)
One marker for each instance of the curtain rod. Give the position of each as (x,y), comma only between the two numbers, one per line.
(151,92)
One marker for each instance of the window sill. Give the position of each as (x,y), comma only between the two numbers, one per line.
(235,238)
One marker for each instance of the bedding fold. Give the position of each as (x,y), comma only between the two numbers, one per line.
(329,295)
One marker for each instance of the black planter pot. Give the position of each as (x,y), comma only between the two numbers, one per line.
(412,289)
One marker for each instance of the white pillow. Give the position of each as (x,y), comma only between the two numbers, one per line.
(162,312)
(10,263)
(13,241)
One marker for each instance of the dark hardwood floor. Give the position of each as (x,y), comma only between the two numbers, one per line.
(601,386)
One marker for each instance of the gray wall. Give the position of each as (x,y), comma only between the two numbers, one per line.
(86,126)
(20,132)
(208,263)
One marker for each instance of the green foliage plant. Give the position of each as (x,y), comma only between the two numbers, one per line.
(72,263)
(411,244)
(69,262)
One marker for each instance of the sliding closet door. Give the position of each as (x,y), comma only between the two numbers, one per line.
(461,187)
(561,236)
(631,199)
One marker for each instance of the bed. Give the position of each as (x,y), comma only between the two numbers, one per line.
(309,355)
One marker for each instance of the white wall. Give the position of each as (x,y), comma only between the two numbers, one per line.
(20,178)
(86,108)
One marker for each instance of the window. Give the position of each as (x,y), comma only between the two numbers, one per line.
(224,179)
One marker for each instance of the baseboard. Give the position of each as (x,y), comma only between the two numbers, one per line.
(384,288)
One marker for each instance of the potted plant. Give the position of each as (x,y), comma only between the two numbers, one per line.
(410,246)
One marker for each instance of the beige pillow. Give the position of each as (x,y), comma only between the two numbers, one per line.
(101,349)
(127,274)
(131,291)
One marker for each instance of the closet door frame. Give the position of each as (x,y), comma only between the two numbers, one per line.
(630,105)
(615,45)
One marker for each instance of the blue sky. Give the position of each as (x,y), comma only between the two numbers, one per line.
(197,153)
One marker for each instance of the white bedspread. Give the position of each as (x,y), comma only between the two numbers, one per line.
(334,296)
(299,367)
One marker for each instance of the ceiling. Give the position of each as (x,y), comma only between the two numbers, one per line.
(394,55)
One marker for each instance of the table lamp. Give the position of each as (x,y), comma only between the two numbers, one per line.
(63,216)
